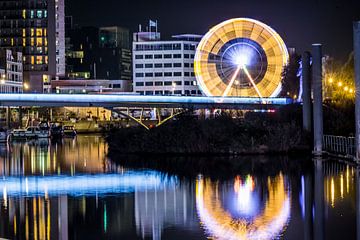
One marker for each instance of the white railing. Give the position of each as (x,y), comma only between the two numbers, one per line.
(339,145)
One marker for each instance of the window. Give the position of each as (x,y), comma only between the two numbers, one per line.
(186,74)
(139,74)
(178,83)
(149,74)
(186,56)
(177,65)
(158,65)
(139,84)
(158,56)
(149,84)
(140,92)
(187,92)
(139,56)
(167,83)
(168,74)
(167,65)
(139,65)
(192,56)
(187,83)
(158,92)
(158,74)
(177,46)
(148,65)
(193,91)
(116,85)
(193,74)
(177,92)
(159,83)
(177,74)
(148,56)
(149,93)
(186,64)
(167,55)
(177,56)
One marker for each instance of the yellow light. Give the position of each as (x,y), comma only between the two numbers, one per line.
(340,84)
(351,90)
(2,81)
(331,80)
(26,86)
(346,88)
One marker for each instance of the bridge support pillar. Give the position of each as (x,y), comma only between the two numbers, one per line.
(318,99)
(20,117)
(8,117)
(357,86)
(306,95)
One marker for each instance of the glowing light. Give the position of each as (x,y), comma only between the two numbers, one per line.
(346,88)
(220,224)
(351,90)
(240,55)
(2,81)
(340,84)
(243,191)
(331,80)
(332,192)
(242,60)
(120,100)
(84,184)
(26,86)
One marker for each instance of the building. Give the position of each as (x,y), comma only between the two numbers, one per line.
(82,86)
(11,71)
(164,67)
(37,29)
(99,53)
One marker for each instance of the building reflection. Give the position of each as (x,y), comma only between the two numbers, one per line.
(69,189)
(43,157)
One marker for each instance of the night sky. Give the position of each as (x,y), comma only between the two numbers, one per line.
(300,22)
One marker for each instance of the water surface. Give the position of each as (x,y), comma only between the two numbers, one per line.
(70,189)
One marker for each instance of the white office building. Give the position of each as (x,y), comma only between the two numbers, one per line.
(11,71)
(164,67)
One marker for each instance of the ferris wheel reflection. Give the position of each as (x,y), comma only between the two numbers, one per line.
(247,208)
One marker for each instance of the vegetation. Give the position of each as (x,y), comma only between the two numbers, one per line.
(257,133)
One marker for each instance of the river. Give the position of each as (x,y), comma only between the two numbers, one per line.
(71,189)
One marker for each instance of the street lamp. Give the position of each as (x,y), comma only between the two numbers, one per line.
(26,86)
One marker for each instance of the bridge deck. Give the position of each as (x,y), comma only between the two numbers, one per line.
(111,100)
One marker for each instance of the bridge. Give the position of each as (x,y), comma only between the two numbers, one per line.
(113,101)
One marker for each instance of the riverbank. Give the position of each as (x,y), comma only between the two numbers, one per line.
(257,133)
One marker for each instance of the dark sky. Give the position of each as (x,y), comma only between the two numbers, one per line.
(300,22)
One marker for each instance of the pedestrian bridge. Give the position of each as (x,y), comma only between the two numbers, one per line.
(113,101)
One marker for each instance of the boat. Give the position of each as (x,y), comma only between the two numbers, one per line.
(30,132)
(3,135)
(56,130)
(69,131)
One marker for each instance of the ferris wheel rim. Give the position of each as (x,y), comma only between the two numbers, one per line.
(201,51)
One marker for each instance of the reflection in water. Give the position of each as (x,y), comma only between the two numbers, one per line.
(264,221)
(71,190)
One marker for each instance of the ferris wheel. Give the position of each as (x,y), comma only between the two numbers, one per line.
(241,57)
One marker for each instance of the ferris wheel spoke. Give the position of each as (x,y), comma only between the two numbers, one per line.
(226,92)
(252,81)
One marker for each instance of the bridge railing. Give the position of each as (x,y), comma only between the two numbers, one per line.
(340,145)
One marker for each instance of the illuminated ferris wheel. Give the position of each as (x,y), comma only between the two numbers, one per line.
(241,57)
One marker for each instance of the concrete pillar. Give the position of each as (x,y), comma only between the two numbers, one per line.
(357,86)
(8,117)
(317,95)
(306,96)
(20,117)
(319,208)
(51,114)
